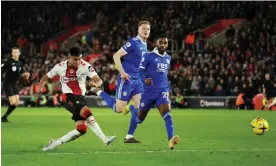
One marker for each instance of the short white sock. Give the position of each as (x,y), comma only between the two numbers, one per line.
(93,125)
(72,135)
(99,92)
(128,136)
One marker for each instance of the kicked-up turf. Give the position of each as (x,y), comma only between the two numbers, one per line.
(207,138)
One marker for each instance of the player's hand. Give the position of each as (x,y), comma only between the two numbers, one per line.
(125,76)
(148,81)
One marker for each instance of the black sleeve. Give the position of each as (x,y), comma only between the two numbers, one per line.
(4,66)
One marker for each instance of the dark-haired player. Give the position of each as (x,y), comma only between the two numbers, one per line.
(73,73)
(156,92)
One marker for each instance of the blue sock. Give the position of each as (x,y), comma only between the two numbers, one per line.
(134,111)
(134,120)
(111,102)
(132,126)
(169,124)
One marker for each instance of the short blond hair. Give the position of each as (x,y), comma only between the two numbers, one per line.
(143,22)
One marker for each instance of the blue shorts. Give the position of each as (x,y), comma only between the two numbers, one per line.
(149,99)
(126,89)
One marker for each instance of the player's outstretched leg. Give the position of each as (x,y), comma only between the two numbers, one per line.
(72,135)
(108,99)
(164,110)
(118,106)
(94,126)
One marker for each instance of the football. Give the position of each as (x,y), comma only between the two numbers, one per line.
(259,126)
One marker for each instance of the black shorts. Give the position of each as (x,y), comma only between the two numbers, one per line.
(10,89)
(74,104)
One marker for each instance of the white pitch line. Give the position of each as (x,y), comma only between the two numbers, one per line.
(135,152)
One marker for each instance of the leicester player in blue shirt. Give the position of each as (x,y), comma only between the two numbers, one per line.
(129,85)
(156,91)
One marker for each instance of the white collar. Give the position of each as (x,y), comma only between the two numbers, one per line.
(155,50)
(138,37)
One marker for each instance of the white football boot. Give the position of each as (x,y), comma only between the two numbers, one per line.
(51,145)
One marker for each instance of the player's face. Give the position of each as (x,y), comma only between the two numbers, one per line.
(75,61)
(15,54)
(144,31)
(162,44)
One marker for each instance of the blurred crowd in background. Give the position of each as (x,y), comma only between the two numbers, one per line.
(200,69)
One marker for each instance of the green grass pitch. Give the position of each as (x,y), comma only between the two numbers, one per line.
(207,138)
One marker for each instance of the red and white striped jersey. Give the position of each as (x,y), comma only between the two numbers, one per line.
(73,79)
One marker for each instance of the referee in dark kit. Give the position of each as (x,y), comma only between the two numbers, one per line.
(12,69)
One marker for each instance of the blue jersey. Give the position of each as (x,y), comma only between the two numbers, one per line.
(156,66)
(135,48)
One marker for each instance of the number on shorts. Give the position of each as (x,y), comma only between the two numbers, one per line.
(165,95)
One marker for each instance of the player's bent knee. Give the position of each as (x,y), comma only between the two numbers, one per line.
(82,128)
(12,102)
(120,107)
(86,113)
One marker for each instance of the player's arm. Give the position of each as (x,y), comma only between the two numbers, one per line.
(127,48)
(52,73)
(4,66)
(95,81)
(42,82)
(117,59)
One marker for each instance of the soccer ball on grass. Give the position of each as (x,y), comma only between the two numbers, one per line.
(259,126)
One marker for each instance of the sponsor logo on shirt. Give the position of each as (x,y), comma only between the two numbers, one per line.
(66,79)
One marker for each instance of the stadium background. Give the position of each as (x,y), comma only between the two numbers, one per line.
(218,48)
(212,64)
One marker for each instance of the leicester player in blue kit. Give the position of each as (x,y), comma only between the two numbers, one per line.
(156,92)
(129,85)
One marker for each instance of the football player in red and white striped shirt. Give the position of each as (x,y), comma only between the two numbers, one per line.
(73,73)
